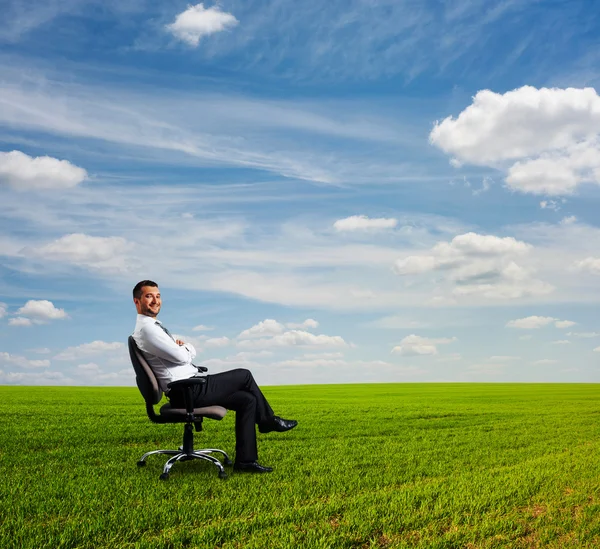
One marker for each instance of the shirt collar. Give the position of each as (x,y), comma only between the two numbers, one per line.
(145,319)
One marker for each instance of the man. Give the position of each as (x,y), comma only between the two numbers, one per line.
(171,360)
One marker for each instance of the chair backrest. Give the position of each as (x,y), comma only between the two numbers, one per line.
(144,376)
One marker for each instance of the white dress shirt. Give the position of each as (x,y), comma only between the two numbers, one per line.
(169,361)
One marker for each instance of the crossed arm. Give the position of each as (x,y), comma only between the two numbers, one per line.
(158,343)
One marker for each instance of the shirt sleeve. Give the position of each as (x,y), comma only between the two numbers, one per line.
(158,343)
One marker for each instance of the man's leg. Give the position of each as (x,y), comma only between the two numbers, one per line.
(219,387)
(244,405)
(236,390)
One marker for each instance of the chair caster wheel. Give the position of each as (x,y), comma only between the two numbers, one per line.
(222,474)
(164,476)
(141,464)
(227,461)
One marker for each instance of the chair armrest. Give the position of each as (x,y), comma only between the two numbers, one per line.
(186,386)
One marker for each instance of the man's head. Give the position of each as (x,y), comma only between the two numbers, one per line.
(146,297)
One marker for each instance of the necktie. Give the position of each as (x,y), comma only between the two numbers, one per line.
(165,330)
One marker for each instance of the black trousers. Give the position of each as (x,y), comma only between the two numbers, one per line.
(235,390)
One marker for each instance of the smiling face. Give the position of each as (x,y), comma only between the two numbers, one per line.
(149,302)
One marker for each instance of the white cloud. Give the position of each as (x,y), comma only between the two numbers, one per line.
(87,349)
(93,252)
(45,377)
(3,309)
(545,361)
(202,328)
(217,342)
(597,350)
(20,321)
(525,337)
(590,264)
(414,345)
(22,362)
(243,359)
(462,249)
(477,244)
(548,139)
(561,342)
(478,264)
(89,367)
(362,223)
(268,327)
(197,21)
(307,324)
(122,377)
(564,323)
(38,312)
(535,322)
(25,173)
(294,338)
(550,176)
(584,335)
(415,264)
(530,322)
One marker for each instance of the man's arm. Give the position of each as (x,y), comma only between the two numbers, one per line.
(157,342)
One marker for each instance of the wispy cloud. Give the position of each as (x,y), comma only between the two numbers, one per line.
(358,40)
(364,223)
(208,129)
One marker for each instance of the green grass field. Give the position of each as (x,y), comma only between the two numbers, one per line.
(390,465)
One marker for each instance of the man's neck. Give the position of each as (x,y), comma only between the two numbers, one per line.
(149,316)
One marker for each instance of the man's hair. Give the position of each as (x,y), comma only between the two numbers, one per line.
(137,289)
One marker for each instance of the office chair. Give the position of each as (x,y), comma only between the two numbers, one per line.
(152,393)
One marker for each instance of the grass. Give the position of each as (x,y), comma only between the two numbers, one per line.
(386,466)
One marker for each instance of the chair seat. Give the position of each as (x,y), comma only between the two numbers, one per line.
(212,412)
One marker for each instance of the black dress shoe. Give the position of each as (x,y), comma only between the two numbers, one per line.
(251,467)
(277,424)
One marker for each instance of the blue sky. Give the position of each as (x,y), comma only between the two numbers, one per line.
(355,191)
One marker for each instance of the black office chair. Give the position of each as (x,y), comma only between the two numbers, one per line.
(152,393)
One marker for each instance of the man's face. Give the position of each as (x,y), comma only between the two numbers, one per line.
(149,303)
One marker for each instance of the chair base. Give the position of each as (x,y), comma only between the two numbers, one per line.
(179,455)
(186,452)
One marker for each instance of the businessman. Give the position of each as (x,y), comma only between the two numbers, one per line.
(171,360)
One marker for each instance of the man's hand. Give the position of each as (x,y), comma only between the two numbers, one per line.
(179,342)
